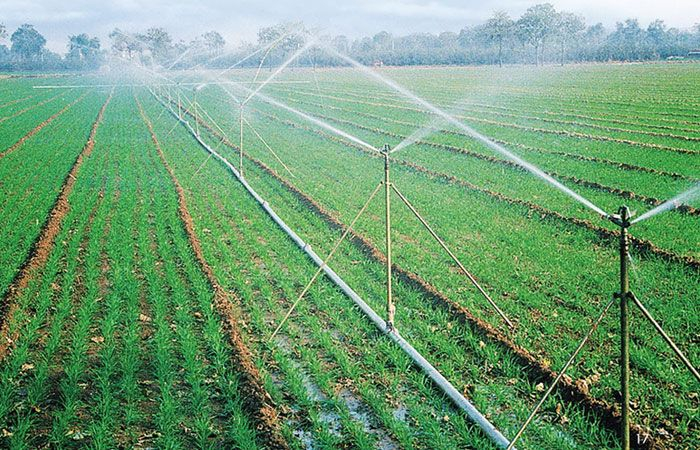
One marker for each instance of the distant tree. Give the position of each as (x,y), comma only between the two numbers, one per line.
(626,41)
(568,28)
(383,41)
(125,45)
(341,43)
(289,36)
(467,36)
(593,40)
(213,42)
(3,31)
(27,45)
(364,45)
(498,29)
(536,25)
(84,51)
(286,37)
(159,42)
(449,39)
(657,38)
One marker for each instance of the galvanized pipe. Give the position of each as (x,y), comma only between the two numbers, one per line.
(240,161)
(666,337)
(624,215)
(440,381)
(179,106)
(326,261)
(196,115)
(390,308)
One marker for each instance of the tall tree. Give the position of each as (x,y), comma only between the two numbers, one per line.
(3,31)
(159,42)
(568,28)
(27,43)
(498,29)
(657,37)
(341,43)
(213,42)
(287,37)
(125,45)
(84,51)
(626,41)
(536,25)
(383,41)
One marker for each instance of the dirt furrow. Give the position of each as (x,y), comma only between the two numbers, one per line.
(572,134)
(684,209)
(642,246)
(616,164)
(29,108)
(14,102)
(258,400)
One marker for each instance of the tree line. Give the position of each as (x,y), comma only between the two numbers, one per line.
(542,35)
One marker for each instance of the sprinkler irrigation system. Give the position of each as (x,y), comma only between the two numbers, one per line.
(623,219)
(440,381)
(390,187)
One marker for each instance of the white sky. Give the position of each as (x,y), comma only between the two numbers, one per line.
(240,19)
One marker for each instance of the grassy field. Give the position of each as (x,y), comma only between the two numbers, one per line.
(141,282)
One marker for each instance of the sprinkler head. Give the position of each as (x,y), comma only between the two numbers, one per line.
(386,149)
(622,218)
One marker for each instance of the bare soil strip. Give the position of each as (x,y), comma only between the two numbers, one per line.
(571,390)
(257,399)
(573,134)
(41,248)
(38,128)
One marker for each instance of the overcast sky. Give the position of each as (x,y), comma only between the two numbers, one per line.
(240,19)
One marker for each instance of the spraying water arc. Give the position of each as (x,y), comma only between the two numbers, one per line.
(676,202)
(467,129)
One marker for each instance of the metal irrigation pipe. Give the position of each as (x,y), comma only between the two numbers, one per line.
(326,261)
(561,373)
(240,152)
(622,219)
(390,308)
(454,258)
(440,381)
(666,337)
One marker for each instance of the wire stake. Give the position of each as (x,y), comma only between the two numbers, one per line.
(325,262)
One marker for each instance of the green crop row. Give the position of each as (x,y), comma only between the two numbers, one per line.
(31,178)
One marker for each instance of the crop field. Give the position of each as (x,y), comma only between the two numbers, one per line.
(141,282)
